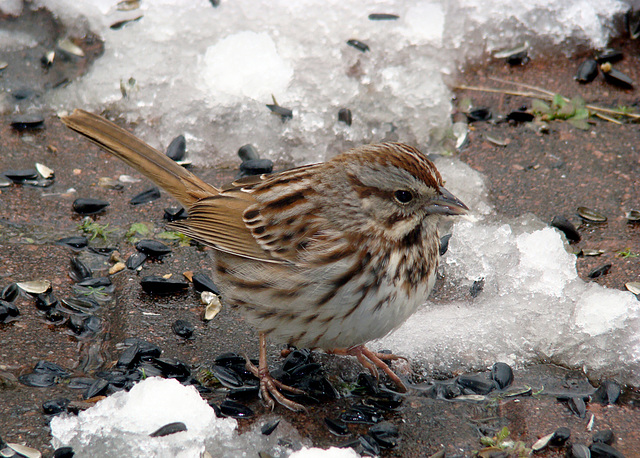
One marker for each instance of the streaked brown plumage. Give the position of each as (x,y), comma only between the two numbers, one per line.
(330,255)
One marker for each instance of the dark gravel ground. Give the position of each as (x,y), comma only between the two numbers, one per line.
(547,174)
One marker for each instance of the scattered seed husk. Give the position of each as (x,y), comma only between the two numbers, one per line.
(168,429)
(599,271)
(213,305)
(383,17)
(5,182)
(117,267)
(28,121)
(25,451)
(633,286)
(496,141)
(47,59)
(542,443)
(3,65)
(590,252)
(35,286)
(616,77)
(359,45)
(591,215)
(633,216)
(177,148)
(609,55)
(345,116)
(514,56)
(587,71)
(128,5)
(284,113)
(248,153)
(461,133)
(44,171)
(144,197)
(109,183)
(70,47)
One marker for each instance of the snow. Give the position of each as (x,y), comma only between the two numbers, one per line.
(207,73)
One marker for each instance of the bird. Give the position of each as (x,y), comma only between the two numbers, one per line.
(327,256)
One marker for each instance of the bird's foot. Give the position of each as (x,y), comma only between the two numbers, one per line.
(372,360)
(270,387)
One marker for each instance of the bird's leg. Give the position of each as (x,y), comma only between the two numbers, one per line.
(372,360)
(268,385)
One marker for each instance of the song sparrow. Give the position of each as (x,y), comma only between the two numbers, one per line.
(330,255)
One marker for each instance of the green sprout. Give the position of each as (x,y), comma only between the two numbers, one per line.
(90,227)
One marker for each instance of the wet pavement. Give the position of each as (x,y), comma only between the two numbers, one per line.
(547,174)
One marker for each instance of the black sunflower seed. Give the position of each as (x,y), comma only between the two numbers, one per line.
(168,429)
(144,197)
(88,206)
(177,148)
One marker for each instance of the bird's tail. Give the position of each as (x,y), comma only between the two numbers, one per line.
(163,171)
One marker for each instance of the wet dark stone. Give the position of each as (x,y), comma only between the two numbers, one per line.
(89,206)
(577,406)
(479,114)
(183,328)
(79,270)
(587,71)
(135,260)
(168,429)
(284,113)
(55,406)
(359,45)
(175,213)
(604,436)
(502,374)
(116,378)
(162,286)
(256,167)
(96,282)
(10,292)
(227,376)
(153,248)
(520,116)
(177,148)
(472,384)
(129,357)
(144,197)
(599,271)
(92,325)
(76,324)
(383,17)
(567,228)
(63,452)
(202,282)
(269,427)
(19,176)
(560,437)
(345,116)
(609,55)
(607,393)
(385,434)
(97,388)
(600,450)
(248,153)
(46,367)
(362,414)
(476,287)
(28,121)
(77,242)
(337,427)
(234,409)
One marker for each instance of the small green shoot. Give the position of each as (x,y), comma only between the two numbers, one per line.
(182,239)
(137,230)
(93,229)
(502,442)
(627,253)
(572,111)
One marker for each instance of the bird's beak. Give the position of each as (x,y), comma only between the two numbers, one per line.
(446,203)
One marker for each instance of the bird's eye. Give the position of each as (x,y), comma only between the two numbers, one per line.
(402,196)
